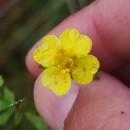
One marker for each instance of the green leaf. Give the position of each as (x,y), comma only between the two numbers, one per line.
(4,117)
(3,105)
(96,77)
(36,121)
(1,81)
(9,95)
(17,118)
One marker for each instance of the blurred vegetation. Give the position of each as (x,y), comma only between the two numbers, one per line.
(22,23)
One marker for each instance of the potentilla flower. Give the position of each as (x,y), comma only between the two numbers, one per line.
(64,58)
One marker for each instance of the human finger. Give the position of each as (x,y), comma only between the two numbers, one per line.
(108,25)
(52,108)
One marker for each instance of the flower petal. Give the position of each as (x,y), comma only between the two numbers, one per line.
(83,46)
(68,38)
(84,69)
(45,53)
(56,80)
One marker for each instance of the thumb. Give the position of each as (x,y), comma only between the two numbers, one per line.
(54,109)
(103,105)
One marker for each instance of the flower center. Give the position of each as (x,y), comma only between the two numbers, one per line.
(64,59)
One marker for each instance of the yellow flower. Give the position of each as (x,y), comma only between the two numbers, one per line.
(64,58)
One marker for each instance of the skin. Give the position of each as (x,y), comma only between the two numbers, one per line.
(103,104)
